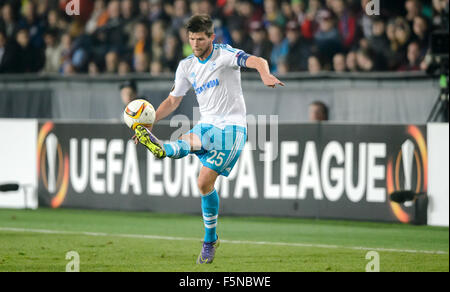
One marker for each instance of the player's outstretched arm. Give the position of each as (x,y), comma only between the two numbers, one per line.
(168,106)
(261,65)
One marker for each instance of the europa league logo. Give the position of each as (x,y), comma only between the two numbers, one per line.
(408,170)
(53,165)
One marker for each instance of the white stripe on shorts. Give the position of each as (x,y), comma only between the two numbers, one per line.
(235,150)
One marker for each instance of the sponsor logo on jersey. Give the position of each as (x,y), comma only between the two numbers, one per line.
(206,86)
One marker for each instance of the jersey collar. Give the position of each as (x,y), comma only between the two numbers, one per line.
(207,59)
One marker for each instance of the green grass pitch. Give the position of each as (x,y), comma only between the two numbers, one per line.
(137,241)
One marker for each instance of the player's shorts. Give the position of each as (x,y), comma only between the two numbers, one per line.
(220,148)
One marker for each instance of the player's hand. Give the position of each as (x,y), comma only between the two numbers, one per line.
(271,81)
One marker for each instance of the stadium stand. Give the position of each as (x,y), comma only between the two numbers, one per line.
(147,36)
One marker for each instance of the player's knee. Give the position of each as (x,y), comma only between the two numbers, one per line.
(204,185)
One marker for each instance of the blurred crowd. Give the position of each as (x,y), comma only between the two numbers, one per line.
(148,36)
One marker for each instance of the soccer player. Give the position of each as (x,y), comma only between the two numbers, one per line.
(213,70)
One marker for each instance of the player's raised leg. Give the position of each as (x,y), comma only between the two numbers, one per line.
(182,147)
(187,144)
(210,210)
(146,138)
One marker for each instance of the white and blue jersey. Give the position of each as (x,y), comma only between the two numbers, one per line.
(217,84)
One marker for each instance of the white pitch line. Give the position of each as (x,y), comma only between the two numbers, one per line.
(142,236)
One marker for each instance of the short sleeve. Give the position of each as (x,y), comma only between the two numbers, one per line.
(182,84)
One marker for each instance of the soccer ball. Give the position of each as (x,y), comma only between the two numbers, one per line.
(139,112)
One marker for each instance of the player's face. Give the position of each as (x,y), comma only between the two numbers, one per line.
(201,44)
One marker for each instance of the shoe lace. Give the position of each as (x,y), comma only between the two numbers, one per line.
(208,247)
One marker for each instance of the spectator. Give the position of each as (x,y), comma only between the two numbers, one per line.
(156,12)
(128,13)
(327,38)
(364,21)
(28,58)
(273,14)
(230,16)
(172,53)
(113,29)
(124,68)
(287,11)
(31,23)
(98,17)
(283,67)
(280,47)
(157,40)
(402,34)
(141,42)
(52,52)
(339,63)
(318,112)
(156,68)
(346,23)
(144,10)
(351,63)
(93,69)
(413,58)
(364,61)
(221,31)
(240,39)
(421,33)
(205,7)
(141,63)
(398,33)
(55,23)
(261,46)
(128,91)
(299,9)
(229,11)
(299,48)
(314,66)
(413,9)
(186,47)
(69,70)
(248,13)
(310,23)
(42,8)
(194,7)
(107,25)
(66,50)
(440,14)
(181,14)
(378,42)
(111,62)
(7,55)
(8,21)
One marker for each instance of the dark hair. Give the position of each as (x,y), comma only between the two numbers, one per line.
(129,84)
(323,108)
(200,23)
